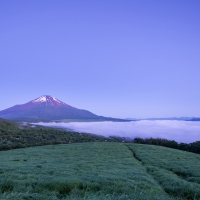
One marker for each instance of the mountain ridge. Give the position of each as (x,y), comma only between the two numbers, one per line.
(48,108)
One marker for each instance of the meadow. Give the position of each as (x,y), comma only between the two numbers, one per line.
(99,170)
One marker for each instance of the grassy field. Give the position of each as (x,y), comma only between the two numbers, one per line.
(99,171)
(178,172)
(14,135)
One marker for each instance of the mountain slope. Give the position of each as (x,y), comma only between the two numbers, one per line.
(47,108)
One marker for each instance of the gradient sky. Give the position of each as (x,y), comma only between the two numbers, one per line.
(130,58)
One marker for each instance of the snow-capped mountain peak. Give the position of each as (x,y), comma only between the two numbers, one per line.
(47,108)
(40,99)
(48,100)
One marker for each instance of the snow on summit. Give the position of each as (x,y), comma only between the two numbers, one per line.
(40,99)
(46,107)
(56,100)
(49,100)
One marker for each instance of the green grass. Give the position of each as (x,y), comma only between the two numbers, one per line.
(14,135)
(99,171)
(178,172)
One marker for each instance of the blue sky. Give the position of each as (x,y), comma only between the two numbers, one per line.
(131,58)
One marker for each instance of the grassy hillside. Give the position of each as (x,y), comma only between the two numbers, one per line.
(16,135)
(99,171)
(177,172)
(13,135)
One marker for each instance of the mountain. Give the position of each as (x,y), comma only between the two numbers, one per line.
(169,118)
(195,119)
(48,108)
(164,118)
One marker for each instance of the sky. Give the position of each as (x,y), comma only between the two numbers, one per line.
(130,58)
(180,131)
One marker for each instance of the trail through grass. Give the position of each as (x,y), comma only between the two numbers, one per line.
(178,172)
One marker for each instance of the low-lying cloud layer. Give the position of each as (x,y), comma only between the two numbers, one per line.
(180,131)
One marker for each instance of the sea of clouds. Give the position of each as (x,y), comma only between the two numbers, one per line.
(180,131)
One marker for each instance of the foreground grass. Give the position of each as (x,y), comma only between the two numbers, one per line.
(178,172)
(98,171)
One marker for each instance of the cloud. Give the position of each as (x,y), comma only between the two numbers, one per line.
(180,131)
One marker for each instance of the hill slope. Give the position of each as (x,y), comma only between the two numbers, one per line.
(99,171)
(14,135)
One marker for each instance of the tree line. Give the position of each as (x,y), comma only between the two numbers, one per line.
(13,136)
(191,147)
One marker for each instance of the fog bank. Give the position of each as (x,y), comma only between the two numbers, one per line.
(180,131)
